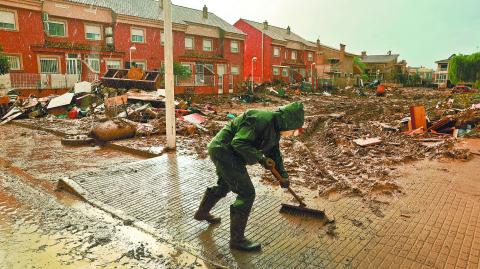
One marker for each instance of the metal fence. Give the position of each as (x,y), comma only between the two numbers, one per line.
(42,81)
(64,81)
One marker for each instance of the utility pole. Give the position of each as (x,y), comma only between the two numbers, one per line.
(254,59)
(169,76)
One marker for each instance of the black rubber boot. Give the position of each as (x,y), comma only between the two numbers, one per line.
(208,202)
(238,223)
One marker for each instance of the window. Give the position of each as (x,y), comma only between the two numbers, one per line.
(138,35)
(310,56)
(189,43)
(235,70)
(162,38)
(207,45)
(202,70)
(94,62)
(57,28)
(276,52)
(276,71)
(14,62)
(114,64)
(234,46)
(93,32)
(442,78)
(294,55)
(8,20)
(141,64)
(49,65)
(285,72)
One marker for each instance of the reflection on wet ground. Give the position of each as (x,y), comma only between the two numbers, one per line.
(78,237)
(43,228)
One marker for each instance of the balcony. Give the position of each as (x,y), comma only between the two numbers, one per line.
(329,68)
(42,81)
(74,46)
(297,62)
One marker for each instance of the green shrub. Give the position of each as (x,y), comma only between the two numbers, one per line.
(4,64)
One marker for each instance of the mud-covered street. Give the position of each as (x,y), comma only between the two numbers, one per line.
(239,134)
(41,227)
(367,190)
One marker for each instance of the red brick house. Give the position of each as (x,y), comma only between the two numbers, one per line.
(75,40)
(281,54)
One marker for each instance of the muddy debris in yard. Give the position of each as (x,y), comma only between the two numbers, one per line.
(327,158)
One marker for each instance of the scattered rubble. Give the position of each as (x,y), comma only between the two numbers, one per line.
(352,142)
(356,153)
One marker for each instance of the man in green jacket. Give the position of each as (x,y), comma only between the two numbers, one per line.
(249,139)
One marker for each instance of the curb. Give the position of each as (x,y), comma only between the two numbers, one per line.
(75,189)
(109,145)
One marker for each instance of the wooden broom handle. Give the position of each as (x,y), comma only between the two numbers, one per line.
(279,179)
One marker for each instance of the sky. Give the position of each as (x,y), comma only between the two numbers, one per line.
(421,31)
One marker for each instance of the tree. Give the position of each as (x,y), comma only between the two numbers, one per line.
(4,64)
(357,62)
(180,71)
(414,80)
(465,68)
(400,77)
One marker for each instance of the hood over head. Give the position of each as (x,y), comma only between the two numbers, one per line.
(290,117)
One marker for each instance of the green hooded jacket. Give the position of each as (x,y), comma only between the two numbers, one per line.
(256,134)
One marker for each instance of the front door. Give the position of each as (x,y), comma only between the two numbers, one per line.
(221,74)
(74,66)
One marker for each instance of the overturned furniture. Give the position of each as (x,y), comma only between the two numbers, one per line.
(121,78)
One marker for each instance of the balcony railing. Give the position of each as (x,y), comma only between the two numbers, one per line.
(42,81)
(66,81)
(298,61)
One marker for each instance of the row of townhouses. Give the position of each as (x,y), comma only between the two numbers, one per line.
(76,40)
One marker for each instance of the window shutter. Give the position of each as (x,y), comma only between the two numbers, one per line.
(93,29)
(138,32)
(7,17)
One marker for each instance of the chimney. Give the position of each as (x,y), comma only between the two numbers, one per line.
(389,52)
(265,25)
(318,43)
(364,53)
(205,12)
(342,52)
(288,30)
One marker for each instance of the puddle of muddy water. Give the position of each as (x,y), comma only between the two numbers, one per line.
(54,238)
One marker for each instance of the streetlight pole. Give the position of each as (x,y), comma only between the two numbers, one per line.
(169,76)
(313,64)
(254,59)
(132,48)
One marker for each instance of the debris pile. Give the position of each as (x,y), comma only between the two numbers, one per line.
(109,114)
(352,145)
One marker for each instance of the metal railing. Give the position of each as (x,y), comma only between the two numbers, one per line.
(42,81)
(65,81)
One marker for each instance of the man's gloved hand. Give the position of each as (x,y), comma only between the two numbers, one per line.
(285,183)
(267,163)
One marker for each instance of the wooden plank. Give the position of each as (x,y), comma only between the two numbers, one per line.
(368,141)
(419,117)
(10,118)
(116,101)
